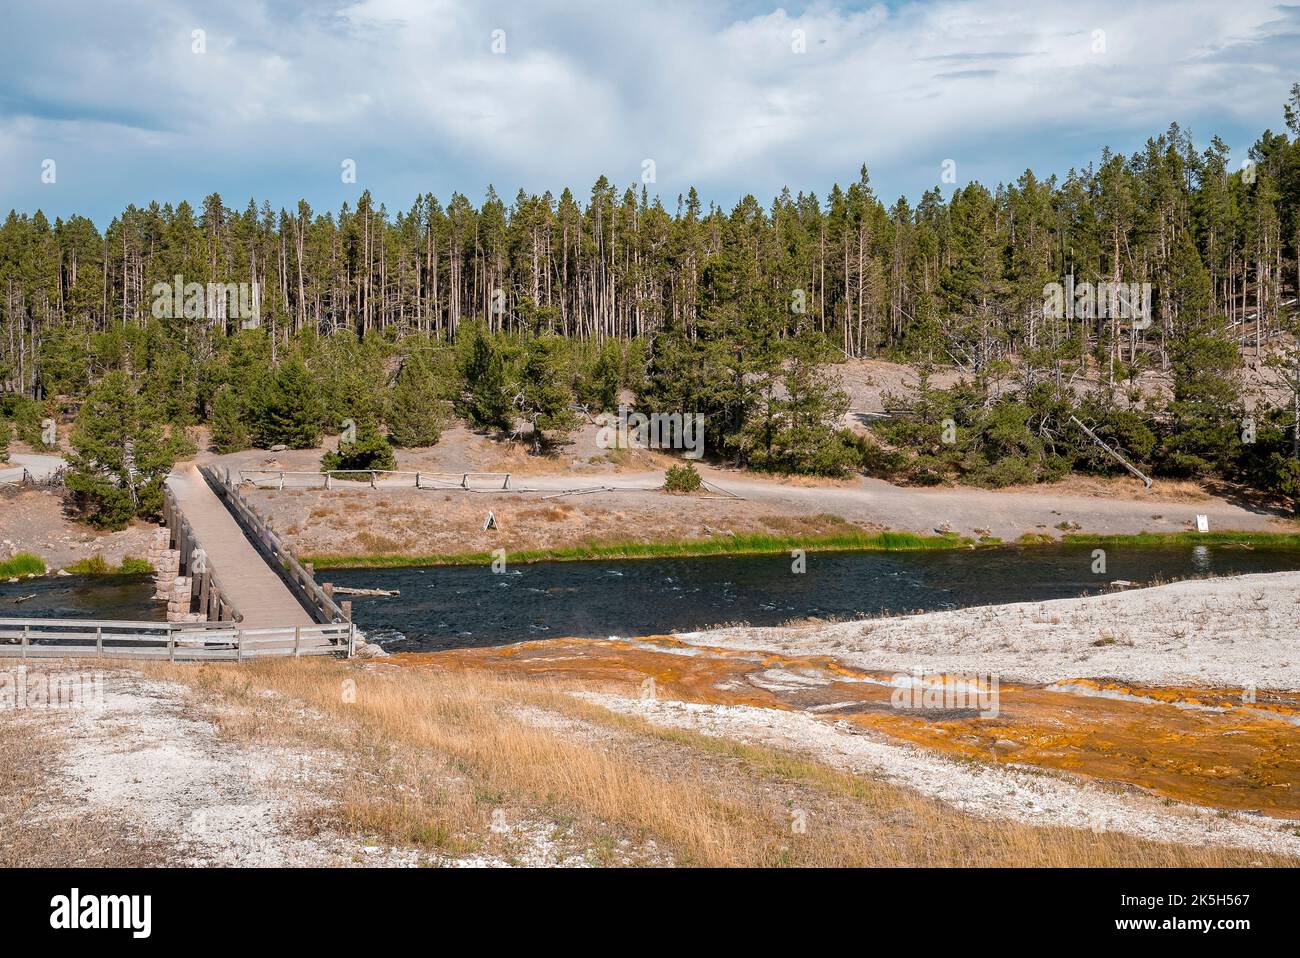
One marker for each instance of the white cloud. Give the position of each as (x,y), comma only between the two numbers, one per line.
(413,90)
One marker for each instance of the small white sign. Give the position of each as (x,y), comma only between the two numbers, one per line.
(490,522)
(1202,523)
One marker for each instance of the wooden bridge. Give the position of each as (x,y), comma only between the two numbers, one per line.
(248,595)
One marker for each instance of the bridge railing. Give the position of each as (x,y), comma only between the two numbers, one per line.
(214,599)
(299,579)
(27,639)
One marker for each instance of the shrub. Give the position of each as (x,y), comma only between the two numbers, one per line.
(873,459)
(355,460)
(1007,471)
(681,479)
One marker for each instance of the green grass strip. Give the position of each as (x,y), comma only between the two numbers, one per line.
(98,565)
(1276,540)
(24,563)
(748,544)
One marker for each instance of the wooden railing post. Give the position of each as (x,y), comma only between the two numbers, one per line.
(297,639)
(99,641)
(239,645)
(26,640)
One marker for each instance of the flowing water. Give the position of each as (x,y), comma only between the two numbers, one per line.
(448,607)
(81,597)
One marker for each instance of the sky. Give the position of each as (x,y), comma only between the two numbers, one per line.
(134,101)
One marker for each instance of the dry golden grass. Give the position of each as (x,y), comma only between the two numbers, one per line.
(430,755)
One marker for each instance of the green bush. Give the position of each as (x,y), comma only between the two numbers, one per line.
(871,458)
(355,460)
(1007,471)
(681,479)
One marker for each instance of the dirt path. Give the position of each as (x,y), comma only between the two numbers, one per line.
(38,467)
(1006,514)
(634,478)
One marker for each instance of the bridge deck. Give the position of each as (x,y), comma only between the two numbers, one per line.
(256,591)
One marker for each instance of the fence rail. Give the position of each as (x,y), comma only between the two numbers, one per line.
(489,481)
(108,638)
(299,579)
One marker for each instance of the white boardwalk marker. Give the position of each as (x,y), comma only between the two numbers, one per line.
(1202,523)
(490,522)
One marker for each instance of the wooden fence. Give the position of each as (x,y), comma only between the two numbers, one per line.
(27,639)
(487,481)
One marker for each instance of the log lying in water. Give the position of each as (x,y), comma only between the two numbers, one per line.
(344,590)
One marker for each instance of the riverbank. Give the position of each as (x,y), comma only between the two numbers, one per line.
(560,516)
(749,545)
(1238,632)
(735,545)
(35,521)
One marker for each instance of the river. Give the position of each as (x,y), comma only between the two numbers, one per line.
(447,607)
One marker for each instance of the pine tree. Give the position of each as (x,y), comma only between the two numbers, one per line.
(1203,434)
(416,411)
(800,428)
(286,408)
(229,430)
(488,398)
(545,396)
(121,456)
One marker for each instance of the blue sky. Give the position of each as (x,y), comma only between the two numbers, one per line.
(273,97)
